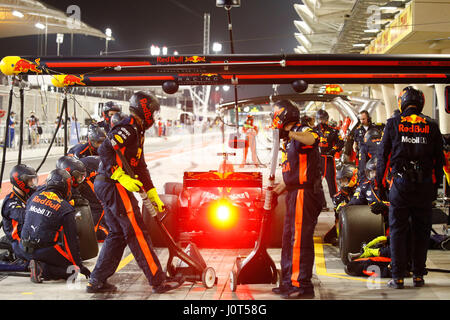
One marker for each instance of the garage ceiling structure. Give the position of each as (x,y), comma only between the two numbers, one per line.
(30,17)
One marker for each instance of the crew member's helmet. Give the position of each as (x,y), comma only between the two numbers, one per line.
(60,181)
(75,167)
(91,163)
(285,113)
(24,178)
(117,117)
(109,106)
(322,116)
(372,138)
(346,176)
(145,105)
(410,96)
(371,168)
(96,135)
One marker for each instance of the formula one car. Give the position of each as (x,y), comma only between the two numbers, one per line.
(218,209)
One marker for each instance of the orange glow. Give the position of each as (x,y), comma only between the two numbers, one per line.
(222,214)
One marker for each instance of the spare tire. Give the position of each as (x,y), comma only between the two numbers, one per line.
(86,232)
(173,188)
(357,225)
(169,219)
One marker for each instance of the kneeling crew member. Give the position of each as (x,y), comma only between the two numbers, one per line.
(24,182)
(49,233)
(304,201)
(412,144)
(114,189)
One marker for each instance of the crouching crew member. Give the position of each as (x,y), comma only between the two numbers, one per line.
(330,143)
(346,178)
(87,191)
(304,201)
(49,233)
(96,136)
(114,188)
(24,182)
(412,146)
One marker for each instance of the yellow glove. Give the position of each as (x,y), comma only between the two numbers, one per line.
(126,181)
(152,194)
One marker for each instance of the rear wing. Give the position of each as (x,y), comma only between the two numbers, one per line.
(215,179)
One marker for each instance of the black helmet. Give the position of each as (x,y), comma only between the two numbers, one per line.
(75,167)
(346,176)
(117,117)
(20,177)
(410,96)
(96,133)
(285,113)
(109,106)
(372,138)
(322,115)
(60,181)
(371,168)
(145,105)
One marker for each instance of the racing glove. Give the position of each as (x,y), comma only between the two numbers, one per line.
(152,194)
(379,208)
(132,185)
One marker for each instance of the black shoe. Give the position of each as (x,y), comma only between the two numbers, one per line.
(279,290)
(35,271)
(299,293)
(418,281)
(97,288)
(169,284)
(330,236)
(396,284)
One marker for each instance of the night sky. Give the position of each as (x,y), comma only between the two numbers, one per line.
(259,26)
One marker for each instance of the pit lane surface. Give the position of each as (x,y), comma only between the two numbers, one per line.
(167,160)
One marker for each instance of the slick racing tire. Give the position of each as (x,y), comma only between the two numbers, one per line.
(274,238)
(173,188)
(357,225)
(86,232)
(169,219)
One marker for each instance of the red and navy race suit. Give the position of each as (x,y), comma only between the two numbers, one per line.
(410,137)
(82,150)
(330,143)
(50,232)
(304,201)
(122,213)
(13,217)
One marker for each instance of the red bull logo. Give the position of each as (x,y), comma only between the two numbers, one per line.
(413,124)
(71,80)
(195,59)
(51,196)
(414,119)
(24,66)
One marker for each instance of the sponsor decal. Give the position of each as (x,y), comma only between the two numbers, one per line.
(51,196)
(195,59)
(178,59)
(415,140)
(118,138)
(23,66)
(415,128)
(414,119)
